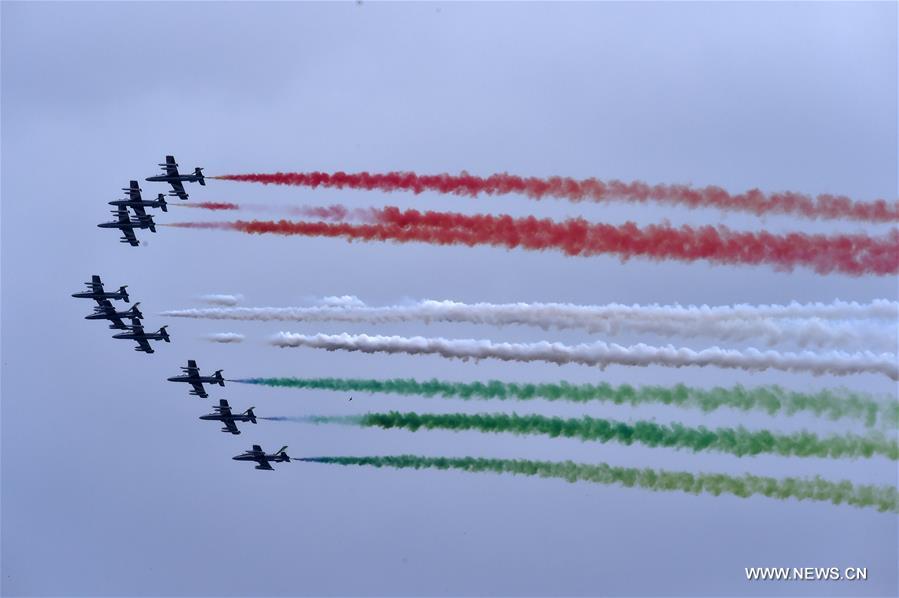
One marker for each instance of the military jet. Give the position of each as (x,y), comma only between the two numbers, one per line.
(224,415)
(258,455)
(174,179)
(137,203)
(192,376)
(137,333)
(97,293)
(127,225)
(106,311)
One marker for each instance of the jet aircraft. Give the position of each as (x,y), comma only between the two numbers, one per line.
(192,376)
(264,461)
(137,333)
(137,203)
(127,225)
(106,311)
(97,293)
(176,180)
(224,415)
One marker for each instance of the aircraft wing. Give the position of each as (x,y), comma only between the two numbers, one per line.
(134,195)
(143,345)
(229,423)
(128,235)
(171,167)
(198,388)
(264,464)
(96,284)
(139,210)
(117,322)
(104,305)
(133,191)
(178,188)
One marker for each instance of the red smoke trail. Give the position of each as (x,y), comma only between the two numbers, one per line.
(848,254)
(755,201)
(209,205)
(335,212)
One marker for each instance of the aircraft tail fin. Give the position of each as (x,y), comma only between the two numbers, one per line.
(136,313)
(124,294)
(198,172)
(251,415)
(218,378)
(165,334)
(283,453)
(162,204)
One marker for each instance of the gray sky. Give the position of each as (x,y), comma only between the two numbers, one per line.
(111,486)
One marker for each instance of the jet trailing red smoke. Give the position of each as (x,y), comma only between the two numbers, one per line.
(754,200)
(847,254)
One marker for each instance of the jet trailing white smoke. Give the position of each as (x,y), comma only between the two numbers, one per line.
(221,299)
(602,354)
(225,337)
(773,324)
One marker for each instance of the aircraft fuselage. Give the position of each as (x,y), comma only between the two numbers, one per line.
(123,225)
(195,379)
(132,203)
(270,458)
(92,295)
(133,336)
(168,178)
(237,417)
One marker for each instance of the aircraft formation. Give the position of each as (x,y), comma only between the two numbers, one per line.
(105,310)
(127,223)
(138,219)
(190,374)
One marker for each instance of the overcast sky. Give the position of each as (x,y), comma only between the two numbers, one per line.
(112,486)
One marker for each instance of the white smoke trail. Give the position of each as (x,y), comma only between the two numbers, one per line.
(602,354)
(689,322)
(340,301)
(225,337)
(221,299)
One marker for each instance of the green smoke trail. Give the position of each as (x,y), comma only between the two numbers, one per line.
(833,404)
(737,441)
(883,498)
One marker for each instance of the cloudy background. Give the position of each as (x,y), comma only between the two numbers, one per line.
(112,486)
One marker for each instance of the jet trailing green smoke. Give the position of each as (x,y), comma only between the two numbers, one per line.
(882,498)
(833,404)
(737,441)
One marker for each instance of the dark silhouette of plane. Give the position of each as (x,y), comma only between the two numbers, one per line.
(105,311)
(192,376)
(127,225)
(137,333)
(264,461)
(224,415)
(97,293)
(137,203)
(176,180)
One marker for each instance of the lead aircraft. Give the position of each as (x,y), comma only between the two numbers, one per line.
(175,179)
